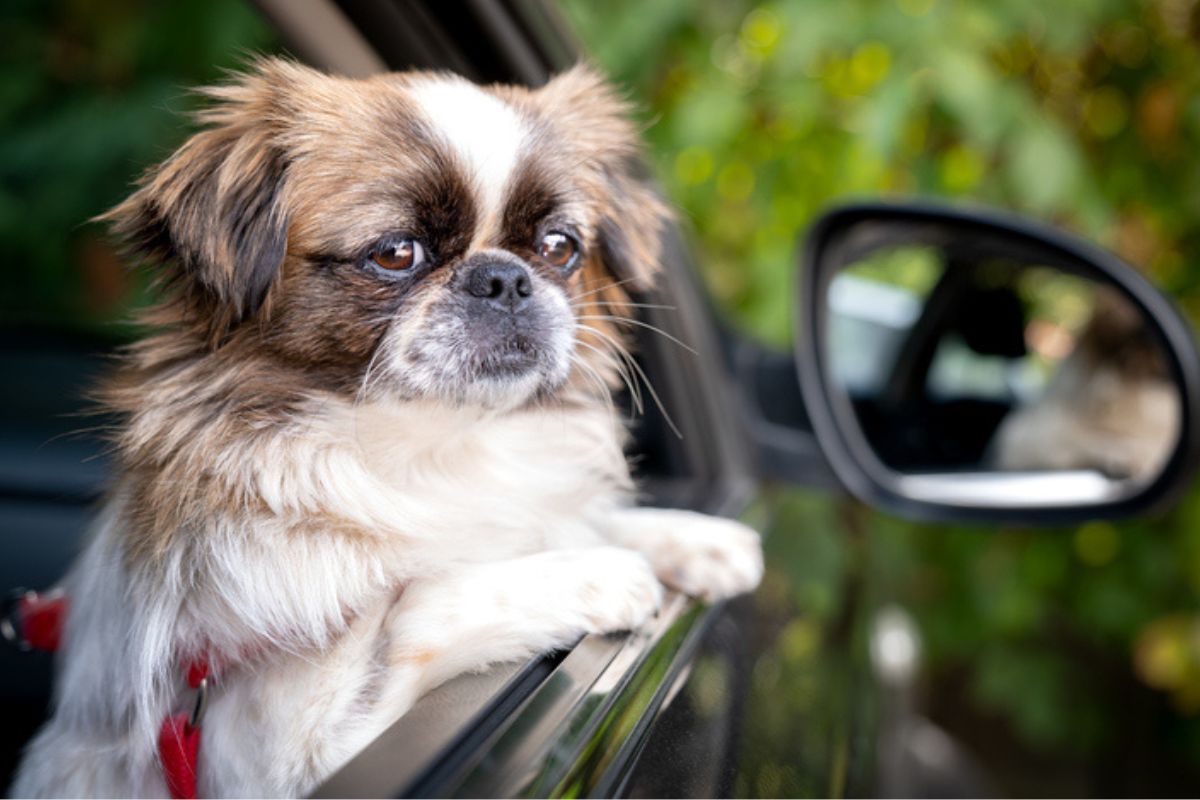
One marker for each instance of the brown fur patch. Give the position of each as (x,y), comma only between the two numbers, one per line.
(418,657)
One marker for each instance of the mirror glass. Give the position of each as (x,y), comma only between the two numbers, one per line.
(984,369)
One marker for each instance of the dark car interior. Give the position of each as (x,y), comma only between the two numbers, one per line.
(913,427)
(52,471)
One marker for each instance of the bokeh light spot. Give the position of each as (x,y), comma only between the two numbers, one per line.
(735,182)
(693,165)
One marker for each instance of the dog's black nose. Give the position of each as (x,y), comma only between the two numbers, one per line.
(504,286)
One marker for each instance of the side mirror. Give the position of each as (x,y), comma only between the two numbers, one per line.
(974,365)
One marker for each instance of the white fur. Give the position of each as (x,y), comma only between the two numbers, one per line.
(498,526)
(706,557)
(426,355)
(1093,417)
(486,133)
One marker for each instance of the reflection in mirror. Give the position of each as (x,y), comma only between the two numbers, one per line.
(984,372)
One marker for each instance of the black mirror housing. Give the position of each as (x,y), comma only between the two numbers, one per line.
(918,431)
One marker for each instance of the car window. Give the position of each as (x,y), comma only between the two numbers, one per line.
(1052,320)
(873,306)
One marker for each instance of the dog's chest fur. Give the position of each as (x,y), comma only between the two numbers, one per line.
(504,485)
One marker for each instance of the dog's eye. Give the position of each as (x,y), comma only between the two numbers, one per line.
(558,250)
(397,257)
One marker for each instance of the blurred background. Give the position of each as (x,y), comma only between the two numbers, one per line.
(1067,662)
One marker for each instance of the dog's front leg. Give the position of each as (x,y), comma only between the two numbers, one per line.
(327,707)
(482,614)
(707,557)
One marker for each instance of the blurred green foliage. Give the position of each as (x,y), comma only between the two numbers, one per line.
(1085,113)
(91,94)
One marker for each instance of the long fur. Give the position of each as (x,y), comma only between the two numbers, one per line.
(326,484)
(1109,406)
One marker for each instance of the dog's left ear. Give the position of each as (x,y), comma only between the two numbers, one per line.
(212,215)
(598,119)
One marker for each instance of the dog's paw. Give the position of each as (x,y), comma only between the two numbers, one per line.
(707,557)
(616,589)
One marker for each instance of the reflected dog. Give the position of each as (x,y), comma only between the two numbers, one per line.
(1109,406)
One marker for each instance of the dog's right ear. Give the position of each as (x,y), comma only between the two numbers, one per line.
(214,212)
(633,217)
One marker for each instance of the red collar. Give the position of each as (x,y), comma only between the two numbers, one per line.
(35,621)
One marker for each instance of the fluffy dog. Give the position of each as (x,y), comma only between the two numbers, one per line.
(1110,405)
(368,445)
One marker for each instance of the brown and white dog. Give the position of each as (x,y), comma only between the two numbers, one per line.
(1109,406)
(369,444)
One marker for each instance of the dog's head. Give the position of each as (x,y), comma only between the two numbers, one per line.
(410,235)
